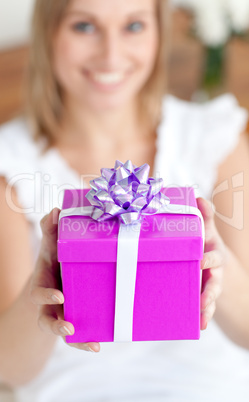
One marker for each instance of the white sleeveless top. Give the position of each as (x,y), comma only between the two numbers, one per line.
(192,141)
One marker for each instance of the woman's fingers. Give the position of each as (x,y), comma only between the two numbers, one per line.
(47,272)
(212,263)
(42,296)
(211,290)
(90,346)
(45,283)
(51,320)
(49,222)
(213,259)
(207,315)
(207,210)
(49,227)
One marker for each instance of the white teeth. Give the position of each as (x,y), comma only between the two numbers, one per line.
(108,78)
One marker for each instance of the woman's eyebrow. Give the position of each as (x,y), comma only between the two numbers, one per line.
(79,13)
(139,13)
(93,16)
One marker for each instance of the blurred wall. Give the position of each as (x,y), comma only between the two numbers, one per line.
(14,22)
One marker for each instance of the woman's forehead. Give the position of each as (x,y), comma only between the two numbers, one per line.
(113,8)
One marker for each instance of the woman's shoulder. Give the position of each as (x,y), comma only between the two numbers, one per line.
(216,124)
(15,136)
(195,139)
(18,151)
(220,107)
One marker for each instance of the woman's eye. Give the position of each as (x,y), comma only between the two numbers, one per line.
(135,27)
(84,27)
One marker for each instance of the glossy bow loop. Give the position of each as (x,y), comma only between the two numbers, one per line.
(126,192)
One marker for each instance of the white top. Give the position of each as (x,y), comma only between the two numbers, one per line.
(192,141)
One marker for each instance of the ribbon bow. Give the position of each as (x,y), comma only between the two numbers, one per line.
(127,192)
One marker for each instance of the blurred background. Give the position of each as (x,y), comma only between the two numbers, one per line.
(209,51)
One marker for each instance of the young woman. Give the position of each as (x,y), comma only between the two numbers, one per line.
(96,94)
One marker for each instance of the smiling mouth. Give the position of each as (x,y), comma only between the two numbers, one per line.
(107,79)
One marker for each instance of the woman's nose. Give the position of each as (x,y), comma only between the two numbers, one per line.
(112,47)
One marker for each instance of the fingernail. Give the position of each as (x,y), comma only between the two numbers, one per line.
(90,349)
(56,299)
(55,215)
(65,331)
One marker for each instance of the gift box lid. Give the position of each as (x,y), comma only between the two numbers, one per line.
(163,237)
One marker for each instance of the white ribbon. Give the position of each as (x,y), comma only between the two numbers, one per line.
(126,267)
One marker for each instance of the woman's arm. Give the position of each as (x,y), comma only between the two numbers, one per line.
(231,199)
(24,348)
(31,312)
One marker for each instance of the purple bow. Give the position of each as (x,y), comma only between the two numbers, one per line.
(127,192)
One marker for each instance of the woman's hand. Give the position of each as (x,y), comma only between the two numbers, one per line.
(46,284)
(212,264)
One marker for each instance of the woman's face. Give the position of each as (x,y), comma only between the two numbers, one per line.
(104,51)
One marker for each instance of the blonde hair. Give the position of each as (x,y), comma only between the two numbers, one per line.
(44,104)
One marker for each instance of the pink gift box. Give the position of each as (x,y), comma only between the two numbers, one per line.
(167,290)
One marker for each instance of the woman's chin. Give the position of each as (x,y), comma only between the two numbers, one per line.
(105,104)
